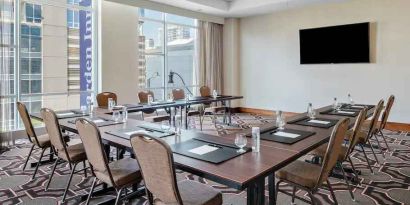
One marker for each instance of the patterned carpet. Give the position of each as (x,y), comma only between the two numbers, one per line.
(389,185)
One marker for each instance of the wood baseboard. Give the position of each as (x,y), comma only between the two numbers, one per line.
(393,126)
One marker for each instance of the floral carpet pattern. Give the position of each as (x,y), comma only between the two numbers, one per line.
(390,184)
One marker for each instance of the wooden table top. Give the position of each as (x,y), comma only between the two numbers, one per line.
(238,172)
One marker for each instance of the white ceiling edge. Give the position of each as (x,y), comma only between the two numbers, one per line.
(240,8)
(173,9)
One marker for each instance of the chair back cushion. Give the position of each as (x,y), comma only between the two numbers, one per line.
(334,148)
(357,127)
(386,112)
(102,98)
(375,118)
(156,163)
(25,117)
(143,96)
(178,94)
(205,91)
(91,138)
(53,129)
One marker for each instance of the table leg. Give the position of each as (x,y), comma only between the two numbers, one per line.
(256,193)
(271,184)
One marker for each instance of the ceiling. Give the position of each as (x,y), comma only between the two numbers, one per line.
(240,8)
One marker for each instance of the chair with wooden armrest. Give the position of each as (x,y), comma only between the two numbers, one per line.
(102,99)
(143,98)
(72,154)
(179,94)
(41,142)
(344,155)
(384,119)
(208,109)
(156,161)
(310,177)
(120,174)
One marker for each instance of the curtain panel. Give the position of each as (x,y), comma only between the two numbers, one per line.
(210,53)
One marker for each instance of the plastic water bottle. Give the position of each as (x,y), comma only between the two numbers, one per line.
(124,114)
(350,99)
(335,104)
(214,94)
(256,137)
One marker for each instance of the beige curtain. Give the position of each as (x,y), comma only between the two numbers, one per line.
(210,55)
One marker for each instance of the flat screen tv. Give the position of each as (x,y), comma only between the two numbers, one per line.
(335,44)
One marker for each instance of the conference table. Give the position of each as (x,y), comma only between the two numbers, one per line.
(247,171)
(185,104)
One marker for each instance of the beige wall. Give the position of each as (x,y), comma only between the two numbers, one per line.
(231,59)
(119,47)
(272,78)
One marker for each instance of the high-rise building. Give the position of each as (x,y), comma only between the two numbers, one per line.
(175,32)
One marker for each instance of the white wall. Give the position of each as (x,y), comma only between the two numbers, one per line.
(271,76)
(119,47)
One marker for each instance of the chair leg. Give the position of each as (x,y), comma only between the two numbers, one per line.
(91,191)
(378,144)
(277,190)
(331,192)
(293,194)
(85,170)
(52,173)
(347,182)
(367,159)
(312,198)
(28,156)
(374,153)
(354,169)
(118,197)
(68,183)
(38,164)
(385,141)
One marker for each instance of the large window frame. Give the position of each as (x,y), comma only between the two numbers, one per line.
(16,75)
(165,22)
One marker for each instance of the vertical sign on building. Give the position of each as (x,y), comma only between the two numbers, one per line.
(86,52)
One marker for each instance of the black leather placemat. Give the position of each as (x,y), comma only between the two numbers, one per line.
(223,153)
(272,136)
(353,113)
(305,122)
(357,106)
(104,122)
(65,114)
(126,133)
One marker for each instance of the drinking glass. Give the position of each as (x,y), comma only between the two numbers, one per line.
(124,114)
(280,121)
(83,109)
(150,99)
(240,141)
(311,112)
(165,127)
(214,94)
(116,115)
(350,99)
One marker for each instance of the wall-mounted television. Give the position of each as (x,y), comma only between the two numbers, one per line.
(335,44)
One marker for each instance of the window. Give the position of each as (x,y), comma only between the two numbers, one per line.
(33,13)
(36,67)
(167,42)
(73,19)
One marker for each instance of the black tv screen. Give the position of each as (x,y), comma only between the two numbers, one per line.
(335,44)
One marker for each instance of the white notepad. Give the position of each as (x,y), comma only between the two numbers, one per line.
(357,106)
(286,134)
(319,122)
(136,131)
(65,114)
(345,112)
(204,149)
(98,121)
